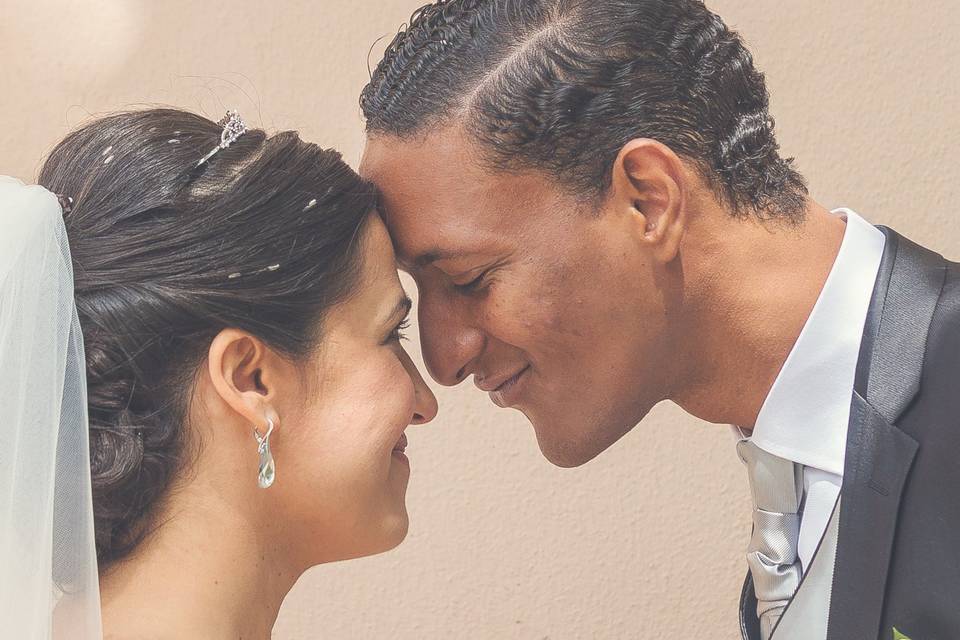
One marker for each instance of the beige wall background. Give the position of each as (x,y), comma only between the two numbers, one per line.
(645,541)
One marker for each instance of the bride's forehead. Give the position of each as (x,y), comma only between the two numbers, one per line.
(377,247)
(379,280)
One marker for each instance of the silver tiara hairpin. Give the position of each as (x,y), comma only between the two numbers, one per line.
(233,127)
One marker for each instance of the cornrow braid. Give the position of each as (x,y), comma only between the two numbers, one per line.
(415,53)
(720,76)
(561,85)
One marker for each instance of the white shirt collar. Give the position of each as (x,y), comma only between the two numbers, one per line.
(804,417)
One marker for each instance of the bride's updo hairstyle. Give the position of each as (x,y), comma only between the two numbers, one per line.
(262,237)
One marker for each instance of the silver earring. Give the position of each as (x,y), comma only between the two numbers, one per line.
(267,471)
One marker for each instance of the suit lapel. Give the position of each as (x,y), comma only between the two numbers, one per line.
(878,460)
(895,335)
(879,455)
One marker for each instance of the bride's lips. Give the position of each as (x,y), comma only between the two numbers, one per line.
(505,394)
(401,446)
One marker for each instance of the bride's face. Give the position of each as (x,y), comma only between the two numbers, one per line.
(341,468)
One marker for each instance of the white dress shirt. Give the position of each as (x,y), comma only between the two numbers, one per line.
(804,416)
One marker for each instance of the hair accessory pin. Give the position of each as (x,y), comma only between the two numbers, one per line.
(237,274)
(233,128)
(66,203)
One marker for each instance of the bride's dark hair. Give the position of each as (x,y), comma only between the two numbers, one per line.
(263,237)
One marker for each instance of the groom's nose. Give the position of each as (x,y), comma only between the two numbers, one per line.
(451,341)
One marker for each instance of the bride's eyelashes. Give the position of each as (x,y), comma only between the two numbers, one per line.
(402,314)
(398,334)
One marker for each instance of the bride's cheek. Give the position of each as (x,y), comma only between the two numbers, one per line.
(397,400)
(384,400)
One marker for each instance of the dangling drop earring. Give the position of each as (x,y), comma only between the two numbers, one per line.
(267,468)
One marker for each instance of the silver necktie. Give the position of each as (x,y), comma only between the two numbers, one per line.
(776,485)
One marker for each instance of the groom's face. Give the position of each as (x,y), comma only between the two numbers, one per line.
(548,302)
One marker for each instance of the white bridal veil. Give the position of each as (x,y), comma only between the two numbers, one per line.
(48,565)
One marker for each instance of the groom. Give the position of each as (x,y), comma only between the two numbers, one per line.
(591,200)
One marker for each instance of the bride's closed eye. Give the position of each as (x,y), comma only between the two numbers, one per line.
(398,334)
(402,313)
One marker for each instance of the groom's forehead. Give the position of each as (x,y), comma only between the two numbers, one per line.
(421,239)
(414,243)
(440,206)
(433,227)
(417,249)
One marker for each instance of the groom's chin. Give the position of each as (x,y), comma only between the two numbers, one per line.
(570,444)
(577,449)
(566,458)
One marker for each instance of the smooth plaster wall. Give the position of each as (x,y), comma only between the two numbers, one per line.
(645,541)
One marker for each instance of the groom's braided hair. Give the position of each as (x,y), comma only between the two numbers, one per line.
(562,85)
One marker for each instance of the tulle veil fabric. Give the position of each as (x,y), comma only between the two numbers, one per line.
(49,587)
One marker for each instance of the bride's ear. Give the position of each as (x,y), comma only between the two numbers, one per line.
(245,374)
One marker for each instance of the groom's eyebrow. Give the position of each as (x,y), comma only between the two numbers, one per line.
(422,260)
(435,255)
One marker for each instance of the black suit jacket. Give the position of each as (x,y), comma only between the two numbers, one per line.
(898,546)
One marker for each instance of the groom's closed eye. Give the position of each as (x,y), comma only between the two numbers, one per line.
(473,285)
(471,280)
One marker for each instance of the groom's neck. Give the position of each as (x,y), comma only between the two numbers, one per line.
(753,287)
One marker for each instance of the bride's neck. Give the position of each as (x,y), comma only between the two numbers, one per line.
(207,572)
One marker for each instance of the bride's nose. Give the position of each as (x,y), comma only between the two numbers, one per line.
(426,405)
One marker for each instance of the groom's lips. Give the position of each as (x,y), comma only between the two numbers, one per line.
(504,391)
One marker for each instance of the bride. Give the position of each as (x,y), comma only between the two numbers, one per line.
(206,392)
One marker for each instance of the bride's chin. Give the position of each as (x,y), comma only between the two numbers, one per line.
(395,530)
(393,522)
(382,534)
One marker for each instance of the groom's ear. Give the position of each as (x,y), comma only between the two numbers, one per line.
(649,187)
